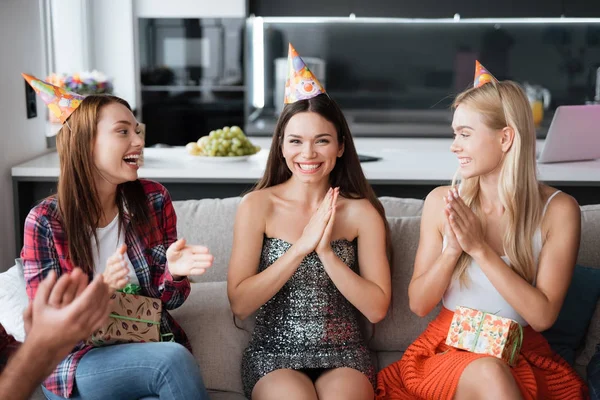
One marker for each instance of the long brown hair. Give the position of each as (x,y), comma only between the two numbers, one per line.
(78,201)
(504,104)
(347,173)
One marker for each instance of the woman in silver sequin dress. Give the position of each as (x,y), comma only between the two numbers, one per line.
(310,253)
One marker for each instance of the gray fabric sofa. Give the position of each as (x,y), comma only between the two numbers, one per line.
(218,343)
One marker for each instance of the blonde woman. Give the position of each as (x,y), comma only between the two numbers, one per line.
(500,241)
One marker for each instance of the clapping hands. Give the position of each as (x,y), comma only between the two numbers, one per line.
(116,274)
(185,260)
(66,311)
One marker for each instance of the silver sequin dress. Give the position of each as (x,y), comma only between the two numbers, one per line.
(308,323)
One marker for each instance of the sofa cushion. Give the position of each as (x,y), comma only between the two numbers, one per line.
(397,207)
(14,300)
(589,251)
(209,222)
(385,358)
(401,327)
(217,395)
(568,332)
(589,255)
(217,343)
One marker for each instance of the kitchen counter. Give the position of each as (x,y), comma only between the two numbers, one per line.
(404,161)
(408,168)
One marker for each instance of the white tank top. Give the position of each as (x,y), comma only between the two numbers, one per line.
(110,240)
(480,294)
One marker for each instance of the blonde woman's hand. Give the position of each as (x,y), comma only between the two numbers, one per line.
(185,260)
(313,231)
(465,225)
(324,244)
(116,274)
(452,244)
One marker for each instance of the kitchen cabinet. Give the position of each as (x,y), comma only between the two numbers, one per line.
(509,9)
(306,8)
(409,9)
(581,8)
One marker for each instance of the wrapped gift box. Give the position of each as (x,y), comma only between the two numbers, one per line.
(133,319)
(484,333)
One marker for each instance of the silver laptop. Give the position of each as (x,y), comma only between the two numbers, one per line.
(574,135)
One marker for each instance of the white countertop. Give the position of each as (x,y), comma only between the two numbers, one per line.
(404,161)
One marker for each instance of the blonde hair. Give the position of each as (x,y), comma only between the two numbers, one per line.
(504,104)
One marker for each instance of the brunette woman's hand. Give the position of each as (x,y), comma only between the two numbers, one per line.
(116,274)
(325,242)
(185,260)
(313,231)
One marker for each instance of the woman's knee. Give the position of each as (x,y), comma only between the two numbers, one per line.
(284,383)
(171,360)
(344,383)
(492,368)
(174,355)
(178,373)
(486,375)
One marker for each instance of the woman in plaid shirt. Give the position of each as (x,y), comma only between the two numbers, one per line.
(105,220)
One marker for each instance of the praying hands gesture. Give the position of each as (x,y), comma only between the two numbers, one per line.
(325,242)
(465,225)
(319,226)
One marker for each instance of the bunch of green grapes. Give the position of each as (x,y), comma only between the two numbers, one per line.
(226,142)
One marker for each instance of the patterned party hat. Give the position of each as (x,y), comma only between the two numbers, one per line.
(301,84)
(61,102)
(482,75)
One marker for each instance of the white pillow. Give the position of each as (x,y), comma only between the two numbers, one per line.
(14,300)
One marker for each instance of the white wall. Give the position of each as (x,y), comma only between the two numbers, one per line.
(21,138)
(71,36)
(96,34)
(112,45)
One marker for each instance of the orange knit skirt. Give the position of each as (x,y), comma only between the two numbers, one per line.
(430,369)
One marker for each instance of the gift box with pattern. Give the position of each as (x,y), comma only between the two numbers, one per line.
(485,333)
(133,319)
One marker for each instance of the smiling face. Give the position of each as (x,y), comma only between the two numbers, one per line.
(310,147)
(479,148)
(117,146)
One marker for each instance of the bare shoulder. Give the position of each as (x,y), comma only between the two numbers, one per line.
(358,209)
(433,208)
(258,202)
(561,208)
(358,216)
(436,196)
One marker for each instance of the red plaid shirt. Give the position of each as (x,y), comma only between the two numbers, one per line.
(45,249)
